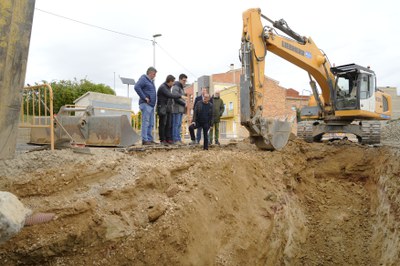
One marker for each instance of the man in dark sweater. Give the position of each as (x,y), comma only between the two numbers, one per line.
(202,117)
(164,108)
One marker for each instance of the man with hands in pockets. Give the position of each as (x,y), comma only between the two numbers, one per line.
(202,117)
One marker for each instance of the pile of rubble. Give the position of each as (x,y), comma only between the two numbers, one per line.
(391,130)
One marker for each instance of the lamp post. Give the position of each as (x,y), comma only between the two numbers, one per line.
(154,65)
(154,48)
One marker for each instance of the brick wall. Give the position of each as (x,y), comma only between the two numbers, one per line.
(278,101)
(274,100)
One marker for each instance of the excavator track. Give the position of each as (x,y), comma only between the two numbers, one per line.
(305,130)
(371,132)
(368,133)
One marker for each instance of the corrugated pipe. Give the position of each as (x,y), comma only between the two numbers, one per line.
(39,218)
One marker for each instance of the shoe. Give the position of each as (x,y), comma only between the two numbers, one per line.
(193,142)
(153,142)
(178,142)
(206,149)
(170,142)
(146,143)
(217,142)
(164,142)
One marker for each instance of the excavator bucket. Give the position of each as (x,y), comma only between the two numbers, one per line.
(274,134)
(88,129)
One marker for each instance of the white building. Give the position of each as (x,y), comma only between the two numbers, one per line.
(106,104)
(392,91)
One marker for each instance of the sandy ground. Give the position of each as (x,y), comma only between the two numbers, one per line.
(333,203)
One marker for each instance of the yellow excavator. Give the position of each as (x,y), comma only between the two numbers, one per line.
(349,101)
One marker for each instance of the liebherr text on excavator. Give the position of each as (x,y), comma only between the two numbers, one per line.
(349,102)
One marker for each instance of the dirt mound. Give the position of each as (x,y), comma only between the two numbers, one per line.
(391,131)
(309,204)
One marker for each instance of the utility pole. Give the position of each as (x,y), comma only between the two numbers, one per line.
(15,33)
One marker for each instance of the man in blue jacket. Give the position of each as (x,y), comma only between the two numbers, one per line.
(147,100)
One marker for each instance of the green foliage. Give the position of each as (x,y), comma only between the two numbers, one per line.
(67,91)
(298,114)
(137,121)
(140,120)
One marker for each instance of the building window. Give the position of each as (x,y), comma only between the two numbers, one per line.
(230,105)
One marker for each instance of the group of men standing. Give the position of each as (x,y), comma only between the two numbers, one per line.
(170,106)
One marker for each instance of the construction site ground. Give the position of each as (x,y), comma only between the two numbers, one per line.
(330,203)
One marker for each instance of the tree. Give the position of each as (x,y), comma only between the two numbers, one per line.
(298,114)
(67,91)
(64,92)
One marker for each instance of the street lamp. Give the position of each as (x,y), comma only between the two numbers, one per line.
(154,65)
(154,48)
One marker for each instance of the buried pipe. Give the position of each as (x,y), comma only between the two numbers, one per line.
(14,215)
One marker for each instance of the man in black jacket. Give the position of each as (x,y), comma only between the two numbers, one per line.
(202,117)
(164,108)
(178,109)
(200,98)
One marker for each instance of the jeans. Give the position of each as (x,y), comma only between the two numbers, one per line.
(147,121)
(176,126)
(216,127)
(198,134)
(164,127)
(205,128)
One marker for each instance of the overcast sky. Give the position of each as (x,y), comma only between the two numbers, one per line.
(202,38)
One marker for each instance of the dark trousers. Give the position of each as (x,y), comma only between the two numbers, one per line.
(164,127)
(198,134)
(205,128)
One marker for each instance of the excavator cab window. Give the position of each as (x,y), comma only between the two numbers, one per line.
(353,89)
(367,85)
(346,92)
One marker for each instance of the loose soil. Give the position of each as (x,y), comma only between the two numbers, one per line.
(333,203)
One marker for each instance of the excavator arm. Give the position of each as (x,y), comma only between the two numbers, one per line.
(300,51)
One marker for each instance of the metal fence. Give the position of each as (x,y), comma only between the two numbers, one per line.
(37,109)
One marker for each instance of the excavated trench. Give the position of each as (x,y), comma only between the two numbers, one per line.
(310,204)
(350,202)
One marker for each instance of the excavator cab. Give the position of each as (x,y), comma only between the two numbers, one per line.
(355,88)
